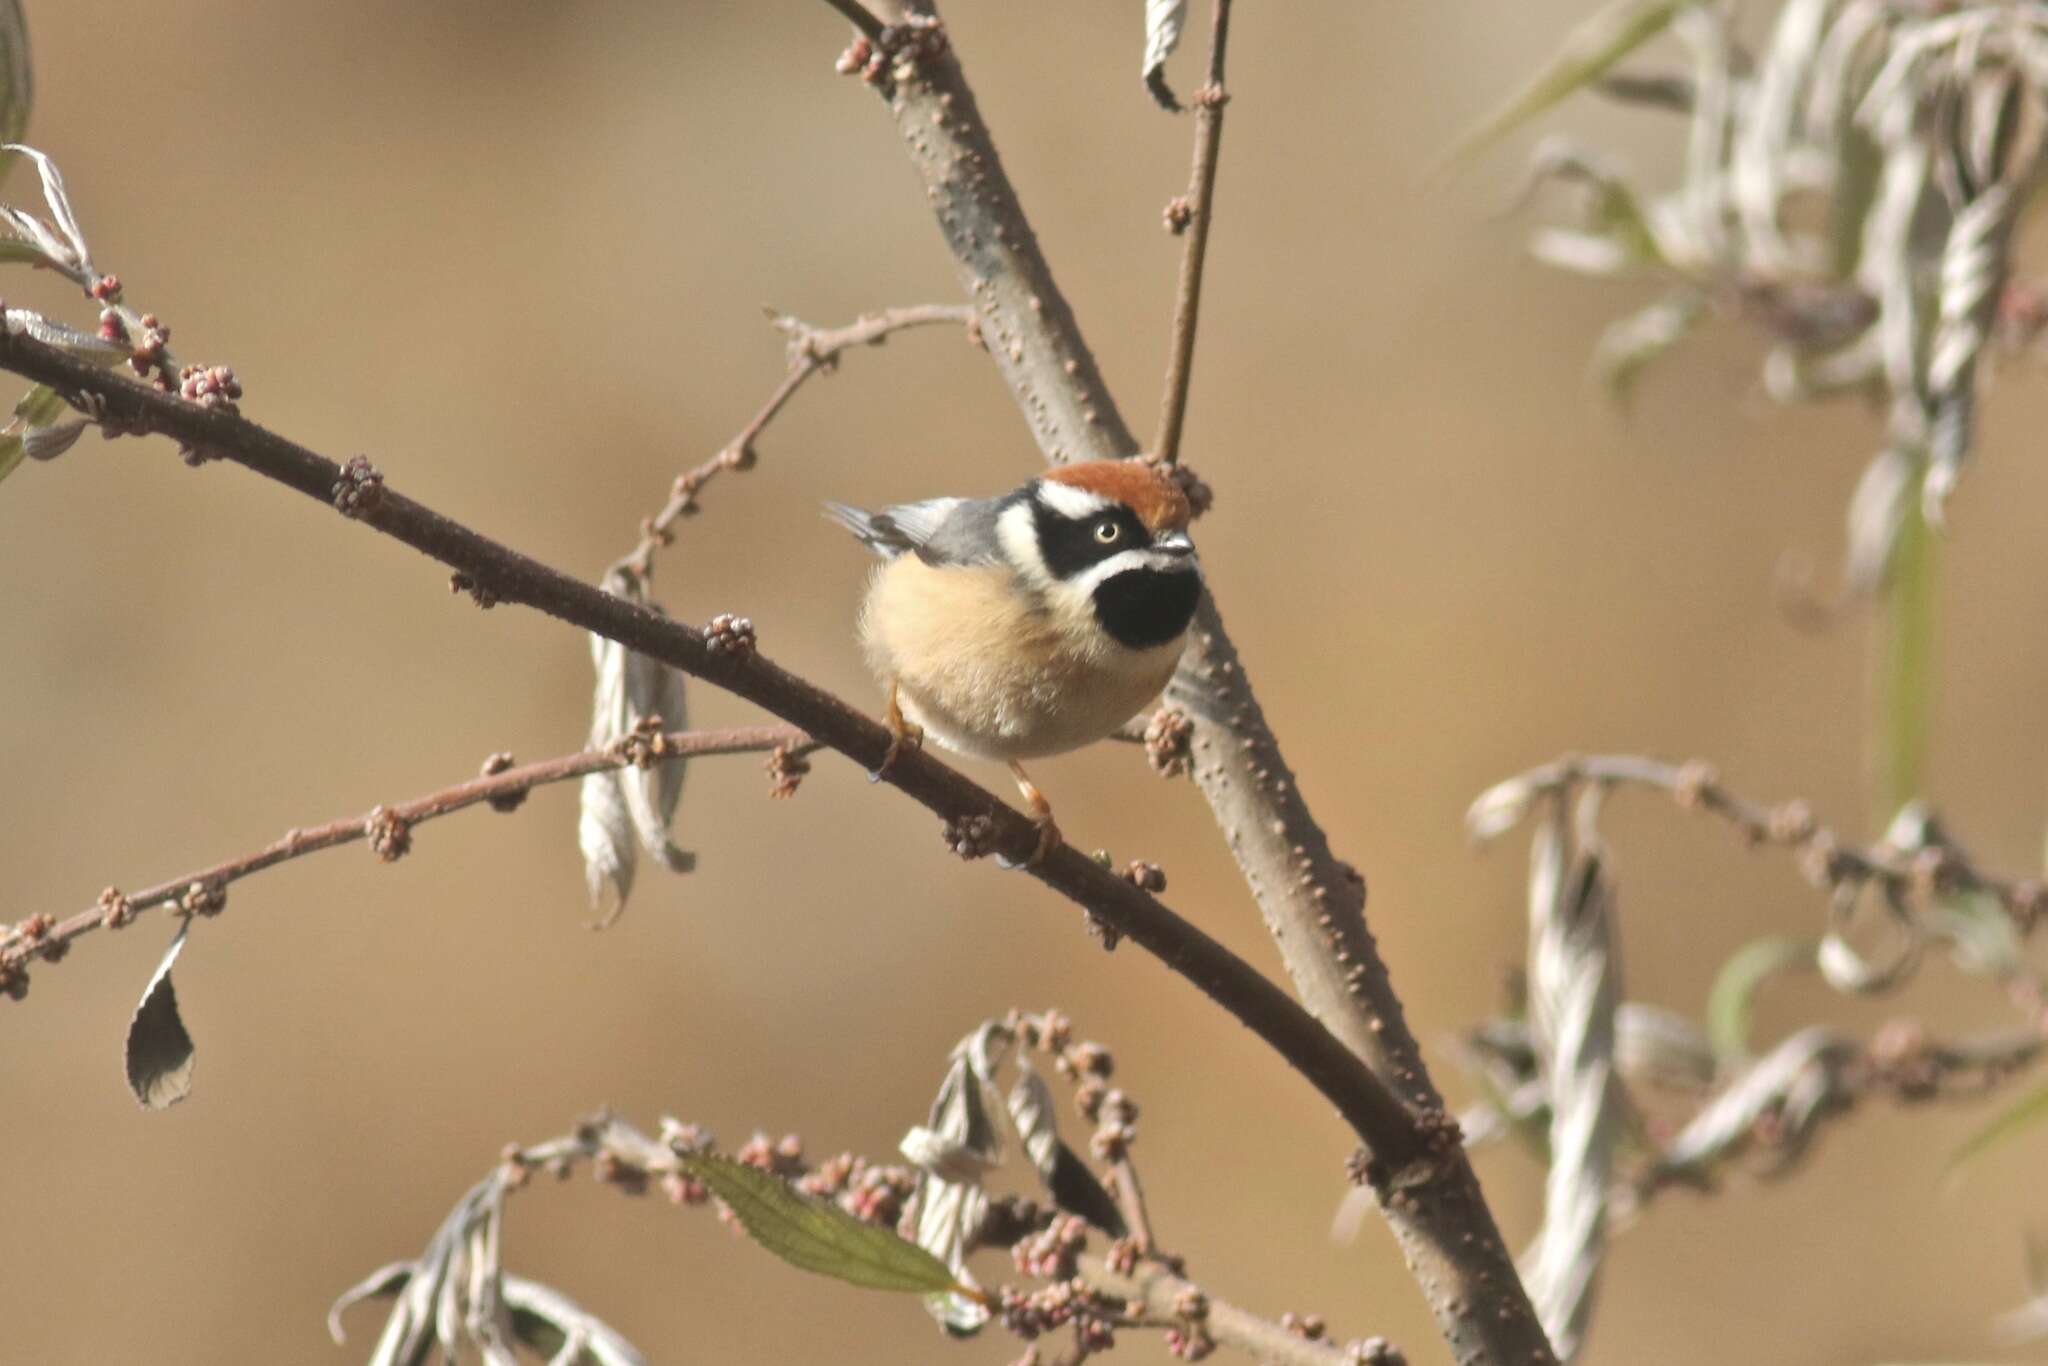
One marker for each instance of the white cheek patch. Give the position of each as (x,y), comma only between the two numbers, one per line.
(1018,534)
(1069,501)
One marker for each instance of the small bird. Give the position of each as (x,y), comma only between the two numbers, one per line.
(1032,623)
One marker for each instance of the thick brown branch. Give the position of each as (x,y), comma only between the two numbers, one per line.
(1201,198)
(501,786)
(811,349)
(1313,904)
(1397,1137)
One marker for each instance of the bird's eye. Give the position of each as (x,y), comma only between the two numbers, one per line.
(1107,532)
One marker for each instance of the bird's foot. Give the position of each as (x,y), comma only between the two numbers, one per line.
(908,740)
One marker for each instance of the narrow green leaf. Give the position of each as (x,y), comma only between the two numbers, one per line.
(1733,997)
(17,83)
(816,1235)
(1905,664)
(1593,48)
(2028,1112)
(40,406)
(11,453)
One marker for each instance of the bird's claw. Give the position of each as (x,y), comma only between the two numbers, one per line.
(909,738)
(1049,841)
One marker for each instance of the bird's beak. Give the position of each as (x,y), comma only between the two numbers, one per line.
(1174,543)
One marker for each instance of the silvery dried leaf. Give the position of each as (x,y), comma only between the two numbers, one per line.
(47,443)
(1164,20)
(59,203)
(1847,970)
(1877,513)
(1499,809)
(628,807)
(432,1296)
(1795,1080)
(383,1283)
(1661,1047)
(160,1054)
(959,1143)
(84,345)
(582,1335)
(604,831)
(36,240)
(962,1141)
(1067,1179)
(1630,345)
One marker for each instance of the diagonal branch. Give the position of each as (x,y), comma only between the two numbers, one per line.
(204,890)
(977,823)
(1312,902)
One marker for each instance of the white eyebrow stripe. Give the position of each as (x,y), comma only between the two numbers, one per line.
(1069,501)
(1125,560)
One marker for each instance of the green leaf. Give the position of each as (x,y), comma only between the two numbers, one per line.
(1905,663)
(816,1235)
(40,406)
(17,82)
(1594,48)
(2028,1112)
(1733,996)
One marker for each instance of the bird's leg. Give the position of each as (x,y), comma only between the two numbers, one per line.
(1049,837)
(904,734)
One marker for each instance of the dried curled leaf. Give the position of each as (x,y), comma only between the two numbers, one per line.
(61,240)
(627,810)
(1164,20)
(817,1235)
(548,1321)
(962,1141)
(458,1297)
(160,1055)
(1632,344)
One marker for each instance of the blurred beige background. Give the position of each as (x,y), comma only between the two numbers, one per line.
(516,253)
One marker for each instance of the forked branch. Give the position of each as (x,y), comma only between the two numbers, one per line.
(977,822)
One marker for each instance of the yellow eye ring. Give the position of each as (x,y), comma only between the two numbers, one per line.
(1107,532)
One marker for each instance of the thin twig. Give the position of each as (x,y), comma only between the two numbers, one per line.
(811,350)
(500,785)
(1130,1201)
(1826,858)
(1163,1297)
(1198,204)
(1409,1145)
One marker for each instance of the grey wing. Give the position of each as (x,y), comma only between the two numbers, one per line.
(938,530)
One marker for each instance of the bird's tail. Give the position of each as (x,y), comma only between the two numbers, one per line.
(875,530)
